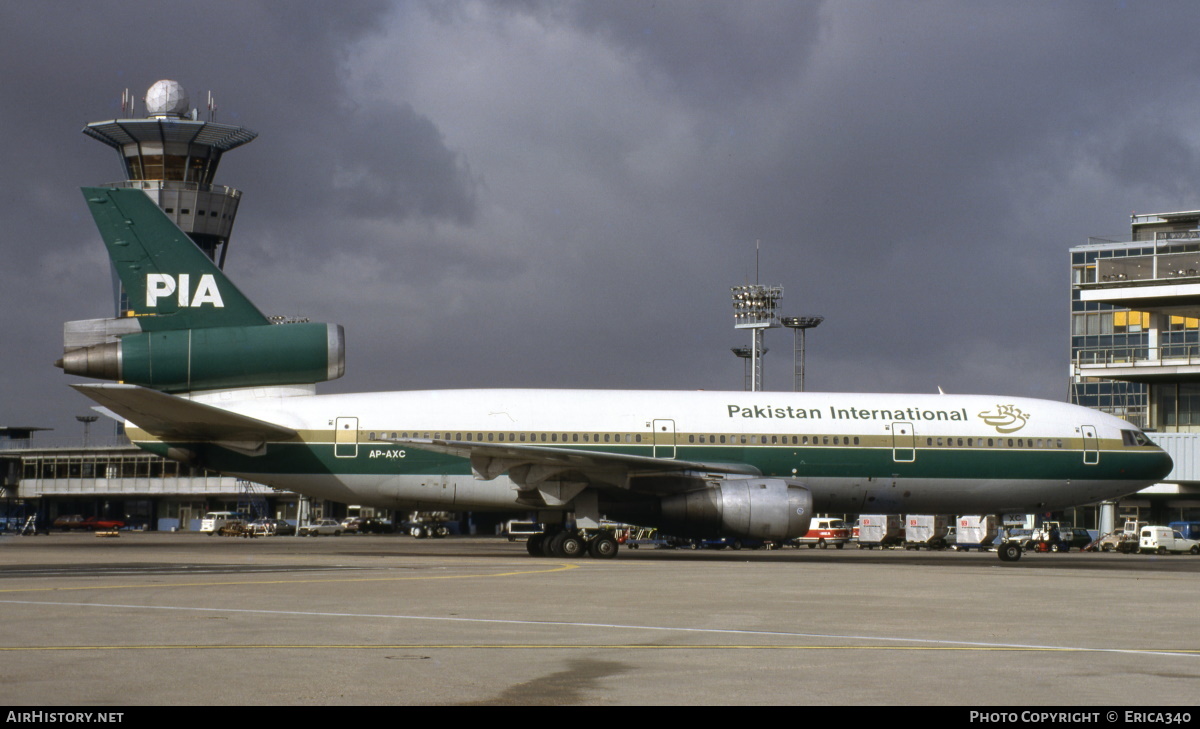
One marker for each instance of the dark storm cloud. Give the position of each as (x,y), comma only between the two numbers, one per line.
(394,163)
(561,193)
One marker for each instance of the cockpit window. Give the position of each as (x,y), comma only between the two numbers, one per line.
(1134,438)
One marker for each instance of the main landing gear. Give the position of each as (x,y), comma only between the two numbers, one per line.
(572,543)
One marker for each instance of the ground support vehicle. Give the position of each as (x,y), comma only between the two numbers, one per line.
(925,531)
(1123,540)
(1051,536)
(880,530)
(516,529)
(976,532)
(1164,540)
(824,532)
(650,538)
(236,528)
(1189,529)
(422,524)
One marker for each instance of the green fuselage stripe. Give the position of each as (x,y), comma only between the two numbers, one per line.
(386,459)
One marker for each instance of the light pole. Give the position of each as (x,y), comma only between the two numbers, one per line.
(756,307)
(799,326)
(87,421)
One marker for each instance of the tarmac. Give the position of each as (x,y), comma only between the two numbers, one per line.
(148,619)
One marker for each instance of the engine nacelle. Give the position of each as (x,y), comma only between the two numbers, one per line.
(181,360)
(759,508)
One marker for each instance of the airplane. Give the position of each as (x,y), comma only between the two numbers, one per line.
(200,375)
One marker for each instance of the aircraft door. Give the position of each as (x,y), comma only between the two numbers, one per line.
(345,437)
(664,438)
(1091,445)
(904,443)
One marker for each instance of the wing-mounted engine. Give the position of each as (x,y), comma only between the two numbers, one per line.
(759,508)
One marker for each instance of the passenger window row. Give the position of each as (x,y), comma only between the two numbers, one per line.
(717,439)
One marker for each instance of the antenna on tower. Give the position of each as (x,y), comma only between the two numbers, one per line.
(212,107)
(128,101)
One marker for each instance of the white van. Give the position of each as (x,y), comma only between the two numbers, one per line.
(1165,539)
(214,520)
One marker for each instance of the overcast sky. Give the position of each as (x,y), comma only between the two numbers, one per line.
(560,194)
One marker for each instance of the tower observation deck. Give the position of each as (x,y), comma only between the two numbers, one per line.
(173,156)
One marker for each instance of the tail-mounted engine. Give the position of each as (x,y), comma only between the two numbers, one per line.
(181,360)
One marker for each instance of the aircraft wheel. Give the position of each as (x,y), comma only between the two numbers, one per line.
(603,547)
(1009,552)
(571,545)
(534,545)
(550,546)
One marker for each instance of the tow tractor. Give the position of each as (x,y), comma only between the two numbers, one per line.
(1123,540)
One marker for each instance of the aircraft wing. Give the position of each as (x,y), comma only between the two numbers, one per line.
(174,418)
(558,473)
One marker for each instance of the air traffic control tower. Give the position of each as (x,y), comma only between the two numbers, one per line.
(173,156)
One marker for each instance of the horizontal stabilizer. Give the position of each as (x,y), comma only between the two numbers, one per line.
(178,419)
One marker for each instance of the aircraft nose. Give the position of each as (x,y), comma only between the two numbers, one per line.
(1161,466)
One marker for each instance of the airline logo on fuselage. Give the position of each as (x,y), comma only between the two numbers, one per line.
(161,285)
(1005,418)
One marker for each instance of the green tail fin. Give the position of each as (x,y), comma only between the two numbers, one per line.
(169,281)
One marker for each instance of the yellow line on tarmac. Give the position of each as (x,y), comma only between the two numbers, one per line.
(559,568)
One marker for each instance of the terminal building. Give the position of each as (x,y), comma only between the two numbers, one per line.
(1135,348)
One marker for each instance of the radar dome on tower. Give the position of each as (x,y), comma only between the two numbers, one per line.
(166,97)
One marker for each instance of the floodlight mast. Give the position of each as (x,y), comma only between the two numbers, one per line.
(746,354)
(756,307)
(799,326)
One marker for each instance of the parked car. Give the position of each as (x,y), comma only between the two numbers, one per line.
(67,522)
(1075,537)
(94,523)
(271,528)
(728,543)
(323,528)
(376,525)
